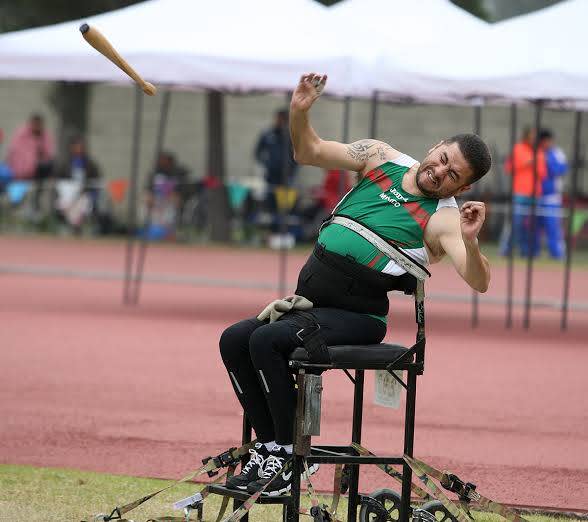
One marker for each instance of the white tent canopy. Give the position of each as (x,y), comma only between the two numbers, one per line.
(404,46)
(433,51)
(428,50)
(540,55)
(227,44)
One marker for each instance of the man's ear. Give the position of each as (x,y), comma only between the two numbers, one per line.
(434,147)
(463,189)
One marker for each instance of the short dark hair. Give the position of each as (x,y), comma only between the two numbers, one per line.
(476,153)
(545,134)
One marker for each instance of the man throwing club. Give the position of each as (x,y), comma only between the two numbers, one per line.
(409,205)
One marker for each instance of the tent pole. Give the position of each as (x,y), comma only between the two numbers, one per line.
(569,232)
(132,201)
(531,243)
(344,139)
(510,268)
(477,130)
(374,116)
(284,212)
(161,128)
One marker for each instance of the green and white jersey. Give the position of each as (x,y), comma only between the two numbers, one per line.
(379,202)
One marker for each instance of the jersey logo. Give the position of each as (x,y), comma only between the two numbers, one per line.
(392,196)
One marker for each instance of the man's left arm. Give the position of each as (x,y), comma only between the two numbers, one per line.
(456,232)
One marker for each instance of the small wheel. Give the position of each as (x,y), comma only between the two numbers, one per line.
(386,508)
(439,511)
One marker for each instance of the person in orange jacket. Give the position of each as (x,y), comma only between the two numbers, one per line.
(521,165)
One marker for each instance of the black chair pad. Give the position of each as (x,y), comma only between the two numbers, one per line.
(361,357)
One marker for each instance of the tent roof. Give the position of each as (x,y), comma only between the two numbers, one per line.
(235,45)
(428,50)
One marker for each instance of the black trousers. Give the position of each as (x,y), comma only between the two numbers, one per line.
(255,354)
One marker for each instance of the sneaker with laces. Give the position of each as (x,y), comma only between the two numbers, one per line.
(252,470)
(273,465)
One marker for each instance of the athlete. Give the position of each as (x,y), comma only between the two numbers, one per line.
(410,205)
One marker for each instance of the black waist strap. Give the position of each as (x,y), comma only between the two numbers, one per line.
(331,280)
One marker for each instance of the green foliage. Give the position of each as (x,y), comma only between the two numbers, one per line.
(26,14)
(474,7)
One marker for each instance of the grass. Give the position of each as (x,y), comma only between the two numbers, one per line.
(45,494)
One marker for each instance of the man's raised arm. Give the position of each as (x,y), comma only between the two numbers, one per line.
(310,149)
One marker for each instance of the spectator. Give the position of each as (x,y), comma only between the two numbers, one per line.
(164,195)
(274,152)
(521,165)
(31,150)
(549,220)
(78,189)
(30,155)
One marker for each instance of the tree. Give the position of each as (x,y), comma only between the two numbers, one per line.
(475,7)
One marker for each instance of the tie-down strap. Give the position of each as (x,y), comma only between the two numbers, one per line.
(401,258)
(466,491)
(211,466)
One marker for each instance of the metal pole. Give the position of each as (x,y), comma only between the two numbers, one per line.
(161,128)
(284,213)
(344,139)
(569,240)
(531,244)
(477,130)
(132,201)
(374,116)
(510,268)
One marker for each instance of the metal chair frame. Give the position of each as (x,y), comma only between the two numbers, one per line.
(412,361)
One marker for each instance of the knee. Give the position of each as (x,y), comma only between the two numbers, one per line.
(232,341)
(262,342)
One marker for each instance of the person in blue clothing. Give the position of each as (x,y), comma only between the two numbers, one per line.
(550,205)
(274,152)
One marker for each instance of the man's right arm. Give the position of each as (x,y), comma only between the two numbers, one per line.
(309,149)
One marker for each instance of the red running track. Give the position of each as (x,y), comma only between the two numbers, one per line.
(90,384)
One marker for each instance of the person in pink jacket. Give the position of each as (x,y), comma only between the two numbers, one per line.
(31,150)
(30,156)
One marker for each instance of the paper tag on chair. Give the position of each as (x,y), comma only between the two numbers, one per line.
(387,389)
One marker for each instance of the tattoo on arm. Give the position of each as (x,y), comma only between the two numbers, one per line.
(363,150)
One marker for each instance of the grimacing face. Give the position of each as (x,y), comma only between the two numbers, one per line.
(444,172)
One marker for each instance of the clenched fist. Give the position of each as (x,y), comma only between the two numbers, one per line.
(472,216)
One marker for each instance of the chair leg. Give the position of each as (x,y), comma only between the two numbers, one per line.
(355,437)
(293,507)
(409,421)
(245,438)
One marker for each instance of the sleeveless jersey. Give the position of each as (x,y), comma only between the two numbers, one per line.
(379,202)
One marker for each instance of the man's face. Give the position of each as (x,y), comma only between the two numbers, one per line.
(444,172)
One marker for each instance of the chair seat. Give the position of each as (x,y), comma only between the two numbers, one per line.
(361,357)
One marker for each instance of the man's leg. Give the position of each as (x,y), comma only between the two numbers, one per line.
(553,231)
(270,346)
(234,348)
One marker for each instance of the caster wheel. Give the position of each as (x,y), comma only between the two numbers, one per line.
(383,505)
(439,511)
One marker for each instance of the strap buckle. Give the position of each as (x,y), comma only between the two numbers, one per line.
(226,458)
(320,514)
(420,515)
(465,490)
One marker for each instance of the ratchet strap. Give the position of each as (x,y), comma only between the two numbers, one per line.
(211,467)
(465,490)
